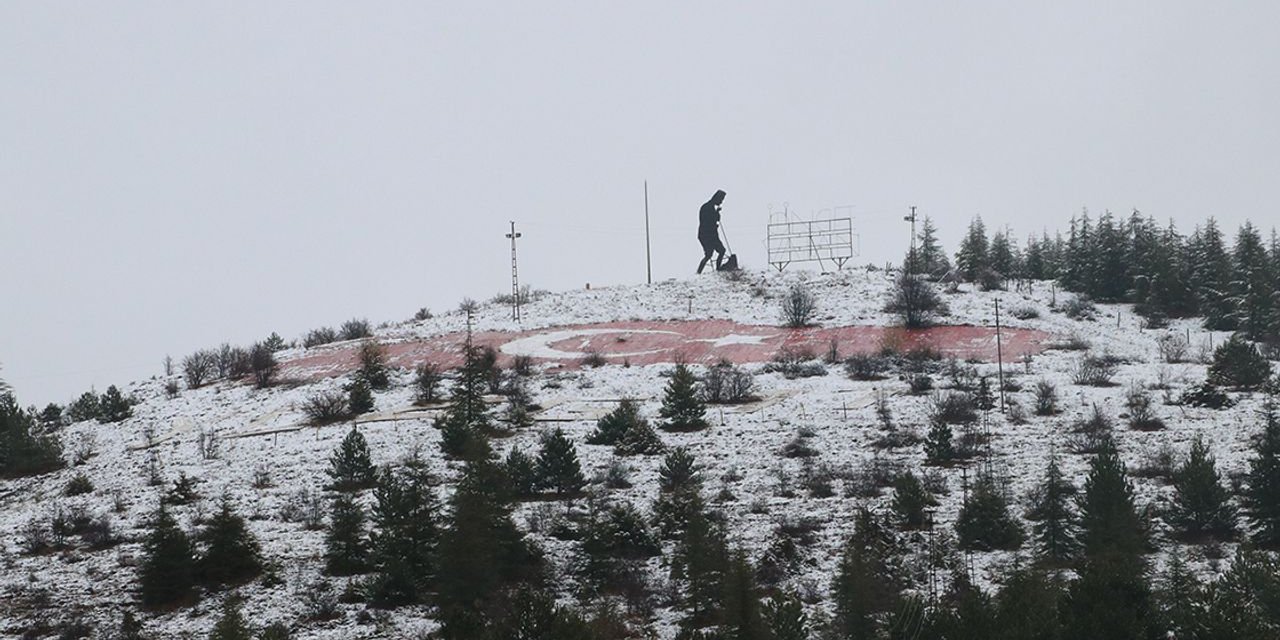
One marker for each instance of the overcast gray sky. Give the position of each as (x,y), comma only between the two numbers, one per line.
(177,174)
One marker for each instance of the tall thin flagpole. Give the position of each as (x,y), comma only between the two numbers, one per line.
(648,259)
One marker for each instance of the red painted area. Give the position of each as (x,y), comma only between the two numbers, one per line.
(701,341)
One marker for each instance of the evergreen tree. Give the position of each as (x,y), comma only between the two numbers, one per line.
(351,467)
(534,615)
(86,407)
(930,260)
(426,384)
(1111,598)
(406,537)
(679,493)
(1242,604)
(1077,256)
(741,612)
(114,407)
(1180,605)
(231,626)
(262,361)
(699,565)
(984,522)
(346,549)
(522,473)
(168,567)
(558,468)
(1028,606)
(1003,256)
(784,616)
(972,259)
(682,405)
(868,581)
(910,501)
(130,628)
(1237,363)
(983,398)
(1054,519)
(1201,505)
(480,553)
(1253,286)
(24,450)
(937,444)
(614,425)
(518,414)
(1262,493)
(466,424)
(966,612)
(1109,281)
(915,301)
(359,397)
(1210,277)
(232,555)
(373,365)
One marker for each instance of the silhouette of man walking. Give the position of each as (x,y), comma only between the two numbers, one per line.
(709,230)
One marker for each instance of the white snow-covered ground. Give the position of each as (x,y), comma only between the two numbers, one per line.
(739,453)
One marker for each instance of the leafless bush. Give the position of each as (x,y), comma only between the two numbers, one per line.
(864,366)
(355,329)
(306,507)
(209,444)
(317,337)
(1091,434)
(1025,312)
(85,446)
(593,359)
(199,367)
(1080,307)
(1173,347)
(319,600)
(798,307)
(1073,342)
(954,407)
(261,477)
(1160,464)
(422,314)
(727,384)
(426,383)
(468,306)
(262,361)
(232,362)
(817,479)
(1141,414)
(325,407)
(872,477)
(1095,371)
(795,363)
(171,389)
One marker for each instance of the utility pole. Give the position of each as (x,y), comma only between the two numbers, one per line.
(999,355)
(911,257)
(648,259)
(515,275)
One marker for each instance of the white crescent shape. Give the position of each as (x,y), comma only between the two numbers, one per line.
(539,345)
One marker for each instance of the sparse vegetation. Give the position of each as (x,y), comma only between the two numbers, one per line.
(798,307)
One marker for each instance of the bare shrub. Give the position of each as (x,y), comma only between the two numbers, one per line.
(325,407)
(1160,464)
(798,307)
(198,368)
(1091,434)
(1173,347)
(422,314)
(795,363)
(355,329)
(209,444)
(1142,416)
(727,384)
(864,366)
(317,337)
(261,477)
(262,361)
(954,407)
(306,507)
(1095,371)
(1073,342)
(1080,307)
(593,359)
(426,384)
(1025,312)
(915,301)
(468,306)
(85,447)
(232,362)
(871,478)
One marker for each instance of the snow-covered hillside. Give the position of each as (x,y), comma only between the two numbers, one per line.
(267,456)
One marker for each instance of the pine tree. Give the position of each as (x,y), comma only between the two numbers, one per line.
(24,450)
(972,259)
(868,580)
(262,361)
(466,424)
(741,614)
(1253,285)
(1210,277)
(614,425)
(1201,505)
(232,555)
(1028,605)
(910,501)
(114,407)
(1109,281)
(1180,598)
(407,534)
(966,612)
(168,567)
(373,365)
(351,467)
(522,473)
(346,548)
(984,522)
(359,396)
(1262,492)
(426,384)
(1003,256)
(1053,516)
(682,405)
(1242,603)
(518,414)
(679,493)
(1077,256)
(983,398)
(231,626)
(558,468)
(1237,363)
(699,565)
(937,445)
(1111,599)
(784,616)
(929,260)
(480,553)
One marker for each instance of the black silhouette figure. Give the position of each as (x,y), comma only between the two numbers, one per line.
(709,230)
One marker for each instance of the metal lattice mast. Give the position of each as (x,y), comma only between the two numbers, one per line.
(515,275)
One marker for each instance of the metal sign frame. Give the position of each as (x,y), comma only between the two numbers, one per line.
(829,238)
